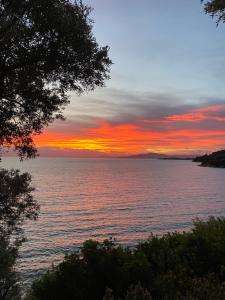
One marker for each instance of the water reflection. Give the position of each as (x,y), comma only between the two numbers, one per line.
(126,199)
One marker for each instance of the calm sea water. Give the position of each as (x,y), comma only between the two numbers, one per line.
(121,198)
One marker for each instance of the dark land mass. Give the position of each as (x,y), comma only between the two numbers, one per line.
(215,159)
(150,155)
(153,155)
(176,158)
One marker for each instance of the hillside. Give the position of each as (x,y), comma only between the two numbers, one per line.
(150,155)
(215,159)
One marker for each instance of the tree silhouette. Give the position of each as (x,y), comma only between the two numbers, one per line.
(215,8)
(16,206)
(46,49)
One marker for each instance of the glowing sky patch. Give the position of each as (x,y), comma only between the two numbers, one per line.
(166,93)
(109,137)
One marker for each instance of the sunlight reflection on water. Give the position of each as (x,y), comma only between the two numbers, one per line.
(121,198)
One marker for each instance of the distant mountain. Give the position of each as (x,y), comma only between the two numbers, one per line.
(215,159)
(178,158)
(150,155)
(153,155)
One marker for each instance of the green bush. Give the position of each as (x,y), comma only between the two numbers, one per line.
(133,293)
(189,265)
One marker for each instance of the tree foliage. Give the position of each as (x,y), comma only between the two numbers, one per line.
(177,266)
(16,206)
(138,293)
(133,293)
(16,200)
(46,49)
(215,8)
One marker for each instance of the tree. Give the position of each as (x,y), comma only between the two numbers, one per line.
(133,293)
(138,293)
(46,49)
(16,205)
(215,8)
(108,295)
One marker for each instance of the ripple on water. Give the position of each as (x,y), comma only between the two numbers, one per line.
(119,198)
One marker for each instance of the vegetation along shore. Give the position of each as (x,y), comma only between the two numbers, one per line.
(175,266)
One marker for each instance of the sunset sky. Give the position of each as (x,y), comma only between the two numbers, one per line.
(166,93)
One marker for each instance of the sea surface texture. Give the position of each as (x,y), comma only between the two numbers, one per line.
(125,199)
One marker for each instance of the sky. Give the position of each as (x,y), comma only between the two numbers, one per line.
(166,93)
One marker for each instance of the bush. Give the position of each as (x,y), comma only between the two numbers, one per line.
(187,266)
(133,293)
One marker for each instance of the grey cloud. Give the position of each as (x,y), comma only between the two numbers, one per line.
(121,106)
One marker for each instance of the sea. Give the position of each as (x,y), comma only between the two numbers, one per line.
(122,199)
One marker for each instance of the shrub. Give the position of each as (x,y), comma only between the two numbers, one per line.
(189,265)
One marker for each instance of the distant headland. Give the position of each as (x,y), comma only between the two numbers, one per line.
(215,159)
(154,155)
(150,155)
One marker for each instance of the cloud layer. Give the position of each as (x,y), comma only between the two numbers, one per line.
(153,122)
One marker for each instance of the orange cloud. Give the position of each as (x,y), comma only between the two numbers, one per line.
(197,115)
(143,135)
